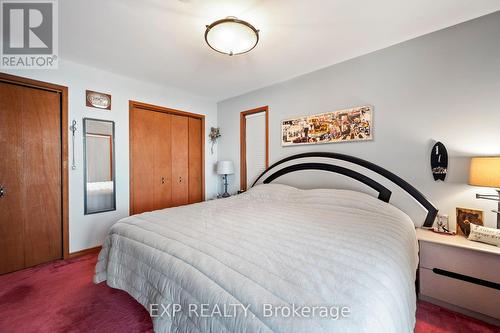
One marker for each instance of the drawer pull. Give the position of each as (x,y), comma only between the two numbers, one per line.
(467,278)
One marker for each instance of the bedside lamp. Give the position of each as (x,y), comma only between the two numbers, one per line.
(225,168)
(485,171)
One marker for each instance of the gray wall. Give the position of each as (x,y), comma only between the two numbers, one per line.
(443,86)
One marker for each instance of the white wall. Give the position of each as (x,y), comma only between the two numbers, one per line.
(443,86)
(88,231)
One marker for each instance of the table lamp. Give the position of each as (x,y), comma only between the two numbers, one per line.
(485,171)
(225,168)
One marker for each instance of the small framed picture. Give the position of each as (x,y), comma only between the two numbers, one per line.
(443,224)
(465,217)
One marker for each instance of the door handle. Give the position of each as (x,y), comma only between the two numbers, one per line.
(2,192)
(163,180)
(180,179)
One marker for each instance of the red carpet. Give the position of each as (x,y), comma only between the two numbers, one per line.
(60,297)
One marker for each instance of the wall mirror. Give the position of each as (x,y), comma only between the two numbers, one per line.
(99,161)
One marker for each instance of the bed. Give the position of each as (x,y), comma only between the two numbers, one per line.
(274,259)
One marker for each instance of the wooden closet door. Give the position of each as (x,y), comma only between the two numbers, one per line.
(41,176)
(180,160)
(162,160)
(142,152)
(195,160)
(11,223)
(30,172)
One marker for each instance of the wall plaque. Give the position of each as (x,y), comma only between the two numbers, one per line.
(98,100)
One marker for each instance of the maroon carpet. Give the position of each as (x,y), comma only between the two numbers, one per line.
(60,297)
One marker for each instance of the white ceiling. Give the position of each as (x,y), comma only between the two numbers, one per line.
(162,41)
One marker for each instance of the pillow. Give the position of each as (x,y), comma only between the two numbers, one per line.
(484,235)
(271,191)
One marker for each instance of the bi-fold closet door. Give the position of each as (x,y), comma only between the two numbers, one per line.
(166,159)
(30,176)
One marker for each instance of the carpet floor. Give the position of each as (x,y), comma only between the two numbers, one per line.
(60,297)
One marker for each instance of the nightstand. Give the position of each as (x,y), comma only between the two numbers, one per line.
(459,274)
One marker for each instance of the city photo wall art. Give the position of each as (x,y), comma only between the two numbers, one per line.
(354,124)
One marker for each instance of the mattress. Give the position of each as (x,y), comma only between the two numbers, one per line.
(344,259)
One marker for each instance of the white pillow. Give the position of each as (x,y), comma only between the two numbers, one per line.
(484,235)
(271,191)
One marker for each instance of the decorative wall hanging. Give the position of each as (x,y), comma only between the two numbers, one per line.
(214,135)
(355,124)
(465,217)
(439,161)
(98,100)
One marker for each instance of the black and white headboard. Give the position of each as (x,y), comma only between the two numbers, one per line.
(376,179)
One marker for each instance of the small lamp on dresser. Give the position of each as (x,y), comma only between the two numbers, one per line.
(225,168)
(485,171)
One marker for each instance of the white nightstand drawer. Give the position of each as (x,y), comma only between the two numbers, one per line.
(463,294)
(476,264)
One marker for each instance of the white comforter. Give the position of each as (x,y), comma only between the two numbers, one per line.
(272,246)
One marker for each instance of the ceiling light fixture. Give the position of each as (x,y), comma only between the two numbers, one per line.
(231,36)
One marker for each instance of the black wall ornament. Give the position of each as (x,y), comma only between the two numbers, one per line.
(439,161)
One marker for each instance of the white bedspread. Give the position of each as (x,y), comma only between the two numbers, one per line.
(272,246)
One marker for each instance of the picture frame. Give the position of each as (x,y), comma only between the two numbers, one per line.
(465,216)
(347,125)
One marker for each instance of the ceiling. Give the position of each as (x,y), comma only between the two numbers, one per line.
(162,41)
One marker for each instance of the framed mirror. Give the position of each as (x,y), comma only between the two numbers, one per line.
(99,162)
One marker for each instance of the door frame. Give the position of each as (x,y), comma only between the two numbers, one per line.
(243,143)
(155,108)
(63,93)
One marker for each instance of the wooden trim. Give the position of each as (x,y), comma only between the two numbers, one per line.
(150,107)
(243,144)
(31,83)
(203,158)
(65,129)
(80,253)
(63,91)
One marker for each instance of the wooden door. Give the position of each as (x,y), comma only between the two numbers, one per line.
(11,223)
(142,160)
(180,160)
(41,186)
(166,157)
(162,165)
(195,181)
(31,175)
(150,149)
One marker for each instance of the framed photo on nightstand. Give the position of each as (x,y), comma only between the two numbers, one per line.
(465,217)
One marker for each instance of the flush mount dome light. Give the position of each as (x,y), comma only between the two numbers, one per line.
(231,36)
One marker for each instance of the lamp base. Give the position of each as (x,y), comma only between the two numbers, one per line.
(225,194)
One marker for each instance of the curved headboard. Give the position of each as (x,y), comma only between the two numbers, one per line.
(384,193)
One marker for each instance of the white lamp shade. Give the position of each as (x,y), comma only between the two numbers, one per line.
(225,168)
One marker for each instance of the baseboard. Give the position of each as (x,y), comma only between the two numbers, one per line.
(80,253)
(473,314)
